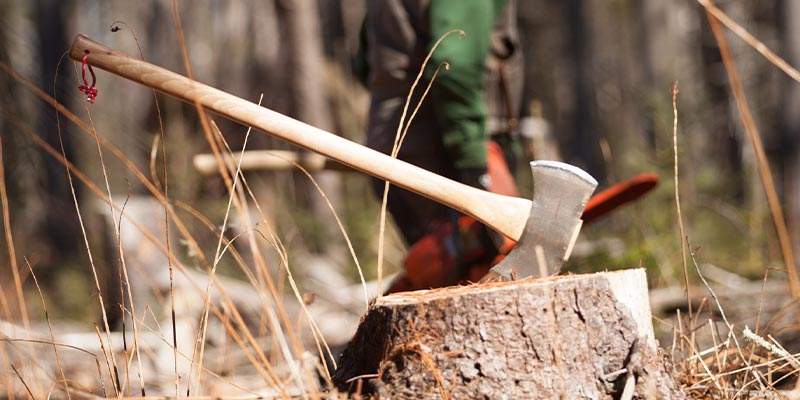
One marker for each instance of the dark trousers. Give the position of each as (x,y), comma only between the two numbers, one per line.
(411,212)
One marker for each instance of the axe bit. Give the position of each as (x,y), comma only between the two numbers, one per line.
(560,193)
(543,228)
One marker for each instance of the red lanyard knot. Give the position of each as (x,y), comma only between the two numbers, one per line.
(89,90)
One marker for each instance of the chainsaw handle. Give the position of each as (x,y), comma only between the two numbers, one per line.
(505,214)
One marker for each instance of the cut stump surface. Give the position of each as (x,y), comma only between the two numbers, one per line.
(576,336)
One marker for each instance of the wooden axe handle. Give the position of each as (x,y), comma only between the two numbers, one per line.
(507,215)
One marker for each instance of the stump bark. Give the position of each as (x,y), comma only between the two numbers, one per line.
(577,336)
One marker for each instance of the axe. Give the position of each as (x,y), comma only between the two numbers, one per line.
(600,204)
(544,228)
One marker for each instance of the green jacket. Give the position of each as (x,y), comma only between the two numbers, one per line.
(396,37)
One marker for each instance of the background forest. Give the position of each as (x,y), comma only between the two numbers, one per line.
(599,81)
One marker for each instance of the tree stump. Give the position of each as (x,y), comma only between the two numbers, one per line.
(569,337)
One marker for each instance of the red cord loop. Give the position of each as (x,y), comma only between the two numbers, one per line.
(89,90)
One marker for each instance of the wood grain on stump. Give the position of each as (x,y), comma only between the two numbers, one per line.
(577,336)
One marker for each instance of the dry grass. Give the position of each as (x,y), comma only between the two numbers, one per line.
(400,135)
(248,345)
(753,134)
(728,369)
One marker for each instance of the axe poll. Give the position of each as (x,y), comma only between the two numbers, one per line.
(544,228)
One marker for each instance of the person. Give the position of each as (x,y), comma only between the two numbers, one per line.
(468,115)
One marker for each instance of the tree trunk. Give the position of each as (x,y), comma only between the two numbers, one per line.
(791,120)
(311,104)
(579,336)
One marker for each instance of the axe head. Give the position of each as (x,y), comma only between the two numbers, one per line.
(560,193)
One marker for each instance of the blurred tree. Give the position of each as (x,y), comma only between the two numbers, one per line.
(59,227)
(789,12)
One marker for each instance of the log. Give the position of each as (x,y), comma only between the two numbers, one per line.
(268,160)
(571,337)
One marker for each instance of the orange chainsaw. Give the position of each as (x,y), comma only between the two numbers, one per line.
(461,251)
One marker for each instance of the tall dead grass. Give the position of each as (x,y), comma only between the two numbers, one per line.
(757,366)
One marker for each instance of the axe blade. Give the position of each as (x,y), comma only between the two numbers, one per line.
(560,193)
